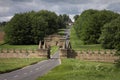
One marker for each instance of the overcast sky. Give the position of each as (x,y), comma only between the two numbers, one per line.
(71,7)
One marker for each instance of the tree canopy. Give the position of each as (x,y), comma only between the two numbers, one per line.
(30,27)
(76,17)
(110,37)
(90,23)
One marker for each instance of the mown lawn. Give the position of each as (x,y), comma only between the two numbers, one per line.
(7,46)
(9,64)
(77,44)
(73,69)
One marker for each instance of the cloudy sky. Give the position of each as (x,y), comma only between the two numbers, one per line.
(71,7)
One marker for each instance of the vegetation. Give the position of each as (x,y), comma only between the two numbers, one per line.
(29,28)
(7,46)
(72,69)
(77,44)
(90,23)
(76,17)
(2,25)
(61,31)
(10,64)
(54,49)
(110,37)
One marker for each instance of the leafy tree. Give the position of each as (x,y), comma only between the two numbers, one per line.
(51,18)
(89,24)
(18,30)
(39,26)
(76,17)
(61,22)
(110,37)
(30,27)
(66,19)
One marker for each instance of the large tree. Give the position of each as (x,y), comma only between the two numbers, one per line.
(89,24)
(18,30)
(29,28)
(110,37)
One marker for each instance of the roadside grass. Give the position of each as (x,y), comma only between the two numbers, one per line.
(73,69)
(10,64)
(54,49)
(7,46)
(78,44)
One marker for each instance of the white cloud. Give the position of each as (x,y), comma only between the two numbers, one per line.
(7,18)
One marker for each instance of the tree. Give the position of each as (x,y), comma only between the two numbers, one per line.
(66,19)
(61,22)
(76,17)
(39,26)
(110,37)
(18,30)
(51,18)
(89,24)
(30,27)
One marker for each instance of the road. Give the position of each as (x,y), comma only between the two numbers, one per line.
(34,71)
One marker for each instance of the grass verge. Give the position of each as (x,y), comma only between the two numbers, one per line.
(73,69)
(7,46)
(10,64)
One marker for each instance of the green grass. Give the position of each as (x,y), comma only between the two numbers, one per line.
(73,69)
(77,44)
(9,64)
(54,49)
(61,32)
(7,46)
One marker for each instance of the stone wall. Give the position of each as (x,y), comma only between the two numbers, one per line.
(101,56)
(23,53)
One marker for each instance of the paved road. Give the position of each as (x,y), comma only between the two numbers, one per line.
(34,71)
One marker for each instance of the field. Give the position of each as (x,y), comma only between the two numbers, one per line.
(10,64)
(78,45)
(73,69)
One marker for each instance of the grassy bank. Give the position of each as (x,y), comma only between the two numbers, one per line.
(10,64)
(7,46)
(54,49)
(77,44)
(72,69)
(61,32)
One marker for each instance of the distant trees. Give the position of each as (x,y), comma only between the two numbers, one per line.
(2,25)
(30,27)
(90,23)
(76,17)
(65,19)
